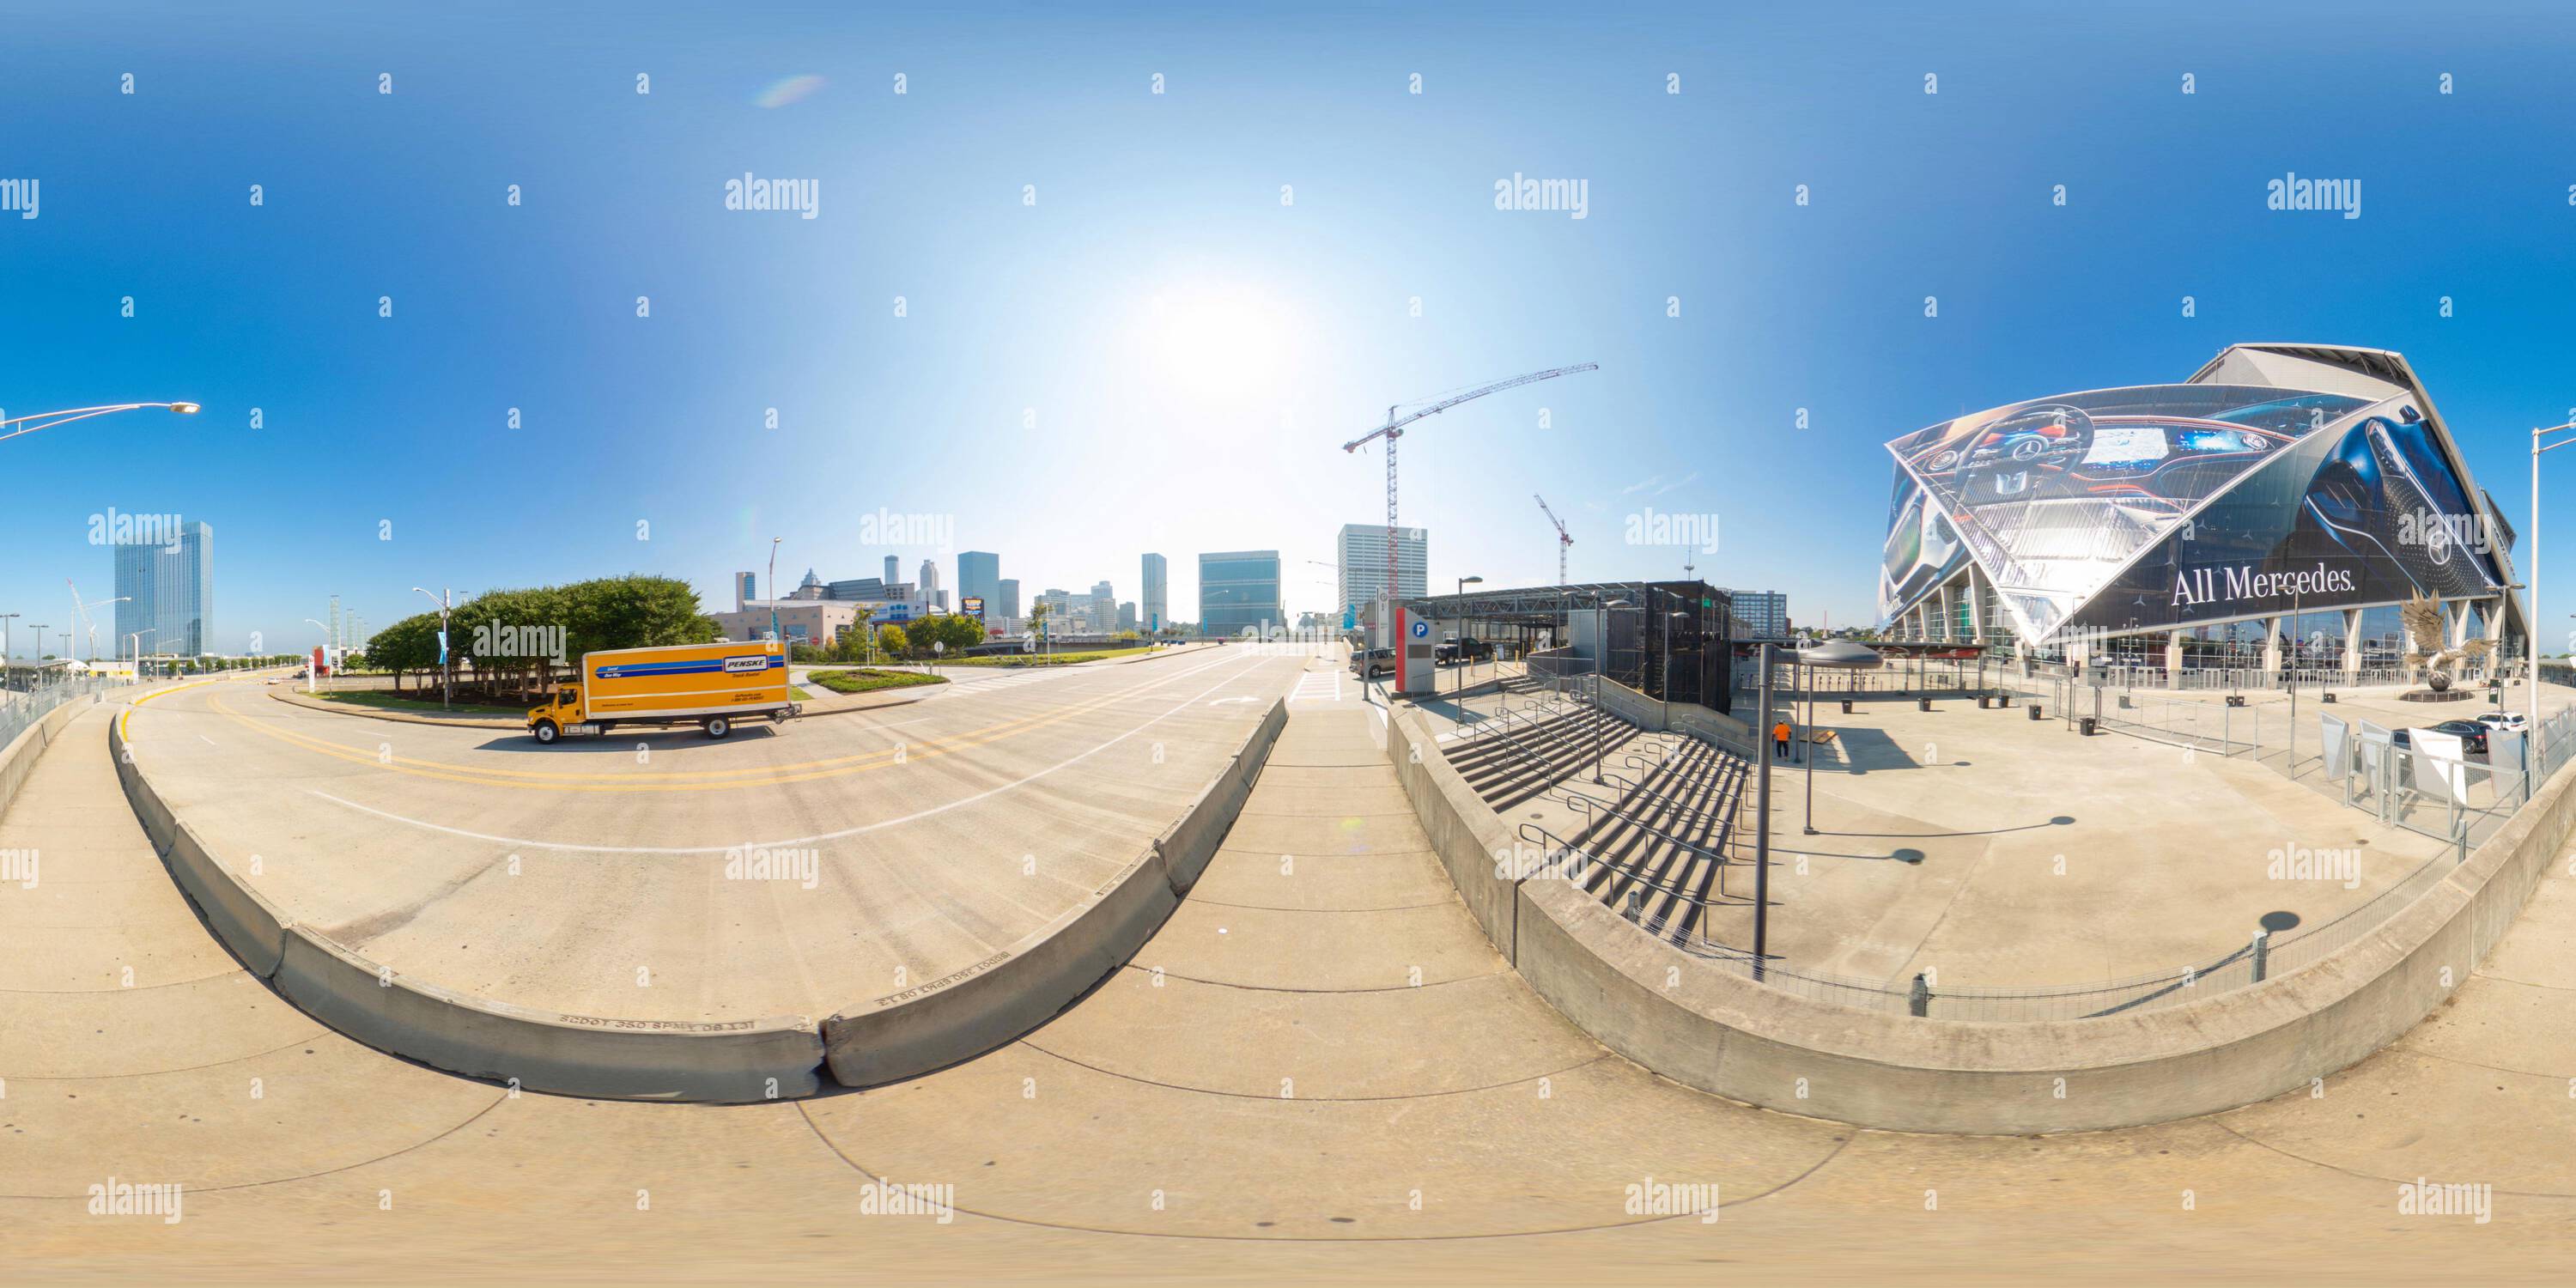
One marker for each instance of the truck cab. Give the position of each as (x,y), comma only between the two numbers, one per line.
(556,718)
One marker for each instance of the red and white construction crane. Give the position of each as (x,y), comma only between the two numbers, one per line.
(1393,429)
(1563,538)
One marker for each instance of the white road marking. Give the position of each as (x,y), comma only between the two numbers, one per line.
(800,840)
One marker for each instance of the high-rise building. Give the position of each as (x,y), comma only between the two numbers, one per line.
(1761,614)
(893,572)
(932,592)
(1239,590)
(746,588)
(979,576)
(1156,601)
(167,579)
(810,588)
(1363,558)
(856,588)
(1127,616)
(1010,593)
(1103,608)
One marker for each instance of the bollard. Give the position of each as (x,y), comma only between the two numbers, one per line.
(1918,999)
(1636,905)
(2262,953)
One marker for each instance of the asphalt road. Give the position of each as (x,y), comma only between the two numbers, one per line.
(1437,1122)
(790,869)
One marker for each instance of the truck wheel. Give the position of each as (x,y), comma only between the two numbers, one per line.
(546,731)
(718,726)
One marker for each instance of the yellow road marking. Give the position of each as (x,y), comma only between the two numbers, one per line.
(652,782)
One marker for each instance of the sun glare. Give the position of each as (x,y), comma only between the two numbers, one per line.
(1214,344)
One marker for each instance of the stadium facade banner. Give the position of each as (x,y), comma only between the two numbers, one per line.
(2155,506)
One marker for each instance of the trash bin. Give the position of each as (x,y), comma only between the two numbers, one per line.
(1923,704)
(2033,709)
(2084,725)
(2236,699)
(1984,702)
(2325,697)
(1846,706)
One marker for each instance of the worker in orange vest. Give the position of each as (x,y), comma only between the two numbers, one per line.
(1780,740)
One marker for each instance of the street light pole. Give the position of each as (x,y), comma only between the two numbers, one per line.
(4,636)
(446,649)
(1762,826)
(1462,644)
(50,419)
(313,676)
(773,586)
(2531,619)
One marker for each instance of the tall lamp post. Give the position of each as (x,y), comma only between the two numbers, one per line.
(773,586)
(446,655)
(93,622)
(40,638)
(2531,620)
(4,636)
(1463,583)
(17,425)
(1600,663)
(1762,824)
(1837,655)
(313,676)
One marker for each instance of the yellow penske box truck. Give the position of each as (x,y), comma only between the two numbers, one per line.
(712,685)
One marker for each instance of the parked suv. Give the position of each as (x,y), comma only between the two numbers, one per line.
(1369,662)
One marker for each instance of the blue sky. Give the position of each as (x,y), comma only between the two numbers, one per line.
(1159,353)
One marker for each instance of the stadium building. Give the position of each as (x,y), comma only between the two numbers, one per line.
(2272,511)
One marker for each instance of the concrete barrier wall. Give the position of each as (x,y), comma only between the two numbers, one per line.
(1188,845)
(1634,707)
(1712,1028)
(1470,840)
(967,1012)
(737,1062)
(741,1061)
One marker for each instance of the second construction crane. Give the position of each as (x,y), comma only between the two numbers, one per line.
(1563,537)
(1393,429)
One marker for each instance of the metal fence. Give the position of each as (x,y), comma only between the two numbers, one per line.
(2453,800)
(20,709)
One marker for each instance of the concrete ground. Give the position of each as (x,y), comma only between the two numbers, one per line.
(790,869)
(1318,1070)
(1993,851)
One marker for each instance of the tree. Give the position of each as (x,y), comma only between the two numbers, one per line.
(892,640)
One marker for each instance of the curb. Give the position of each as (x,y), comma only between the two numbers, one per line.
(994,1001)
(730,1062)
